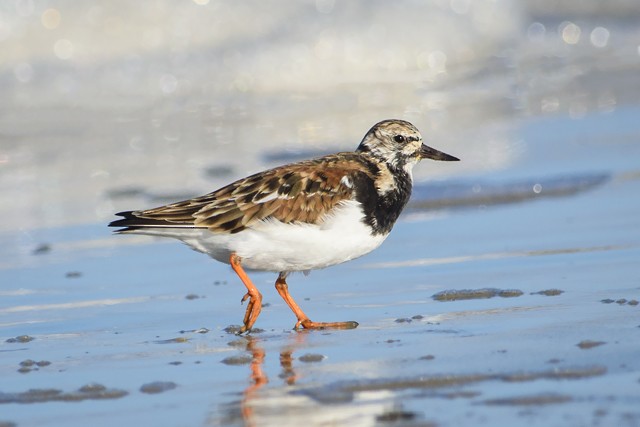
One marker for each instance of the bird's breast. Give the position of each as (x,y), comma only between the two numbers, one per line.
(275,246)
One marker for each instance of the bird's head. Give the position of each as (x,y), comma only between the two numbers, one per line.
(399,144)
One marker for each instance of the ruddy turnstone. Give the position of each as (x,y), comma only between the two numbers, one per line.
(298,217)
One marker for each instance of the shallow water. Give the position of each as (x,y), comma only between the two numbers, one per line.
(539,221)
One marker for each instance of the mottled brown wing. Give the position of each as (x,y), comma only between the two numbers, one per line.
(304,192)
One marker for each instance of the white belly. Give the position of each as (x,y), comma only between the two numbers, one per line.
(274,246)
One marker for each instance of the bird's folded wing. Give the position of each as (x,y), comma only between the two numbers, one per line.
(304,193)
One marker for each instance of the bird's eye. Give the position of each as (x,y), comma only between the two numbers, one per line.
(398,138)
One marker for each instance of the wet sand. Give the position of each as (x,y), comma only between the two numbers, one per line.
(507,294)
(143,333)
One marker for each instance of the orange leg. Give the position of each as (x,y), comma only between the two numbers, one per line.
(303,320)
(255,298)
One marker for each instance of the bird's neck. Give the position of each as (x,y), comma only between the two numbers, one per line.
(388,196)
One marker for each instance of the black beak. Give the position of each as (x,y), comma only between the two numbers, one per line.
(427,152)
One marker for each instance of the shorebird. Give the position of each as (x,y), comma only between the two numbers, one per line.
(298,217)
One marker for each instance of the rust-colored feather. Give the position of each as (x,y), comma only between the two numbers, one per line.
(302,192)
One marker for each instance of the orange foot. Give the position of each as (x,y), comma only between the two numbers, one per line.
(303,320)
(309,324)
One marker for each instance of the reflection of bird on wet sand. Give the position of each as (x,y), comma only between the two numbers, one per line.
(259,378)
(298,217)
(293,404)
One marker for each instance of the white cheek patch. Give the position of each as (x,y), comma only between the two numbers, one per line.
(410,150)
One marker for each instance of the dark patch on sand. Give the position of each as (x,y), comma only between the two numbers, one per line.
(587,344)
(548,292)
(312,358)
(41,395)
(20,339)
(158,387)
(465,294)
(237,360)
(534,400)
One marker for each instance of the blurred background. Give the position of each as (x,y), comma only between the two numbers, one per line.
(106,104)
